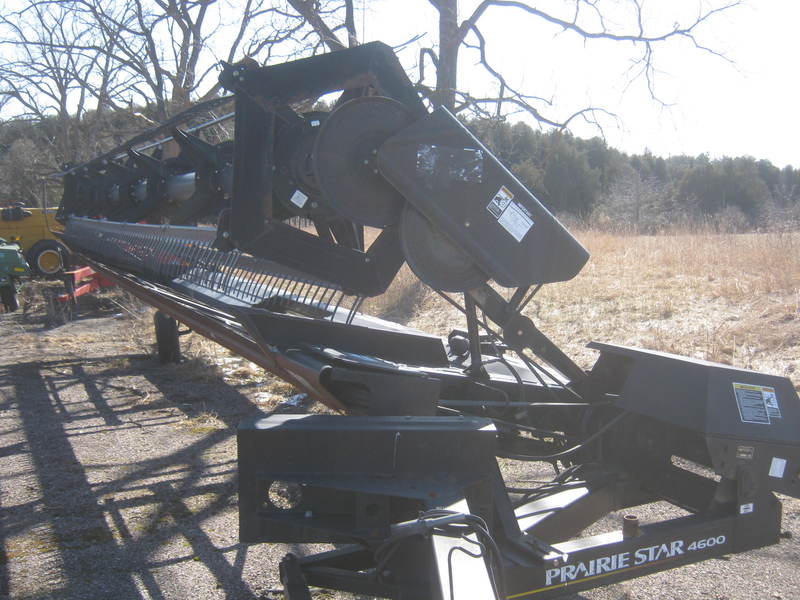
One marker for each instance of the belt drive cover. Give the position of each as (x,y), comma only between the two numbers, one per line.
(465,192)
(434,258)
(345,159)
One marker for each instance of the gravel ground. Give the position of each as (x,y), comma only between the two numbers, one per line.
(117,479)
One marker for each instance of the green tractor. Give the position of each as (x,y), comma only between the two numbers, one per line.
(12,268)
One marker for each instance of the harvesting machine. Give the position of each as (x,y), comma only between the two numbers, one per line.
(310,212)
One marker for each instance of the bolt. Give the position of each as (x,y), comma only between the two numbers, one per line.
(375,171)
(366,162)
(466,224)
(226,235)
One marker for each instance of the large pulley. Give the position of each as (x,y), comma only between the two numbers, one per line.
(434,258)
(345,160)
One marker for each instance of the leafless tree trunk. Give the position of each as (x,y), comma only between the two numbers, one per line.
(449,44)
(582,18)
(316,14)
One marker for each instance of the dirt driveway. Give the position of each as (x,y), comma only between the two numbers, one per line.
(117,477)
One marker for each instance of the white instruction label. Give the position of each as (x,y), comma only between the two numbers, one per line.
(298,199)
(511,215)
(757,403)
(777,468)
(746,509)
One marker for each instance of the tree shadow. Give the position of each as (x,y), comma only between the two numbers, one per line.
(105,526)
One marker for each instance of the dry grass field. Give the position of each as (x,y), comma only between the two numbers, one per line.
(729,298)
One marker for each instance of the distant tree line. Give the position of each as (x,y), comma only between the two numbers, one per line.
(604,187)
(580,179)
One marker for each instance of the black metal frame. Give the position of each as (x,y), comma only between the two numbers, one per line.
(378,474)
(261,93)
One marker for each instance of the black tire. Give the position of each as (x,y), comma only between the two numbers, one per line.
(8,295)
(48,258)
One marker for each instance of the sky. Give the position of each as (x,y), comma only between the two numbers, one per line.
(744,104)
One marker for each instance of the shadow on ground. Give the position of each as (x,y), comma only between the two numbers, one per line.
(78,520)
(121,498)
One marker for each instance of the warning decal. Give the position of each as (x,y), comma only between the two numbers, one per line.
(512,216)
(757,403)
(299,199)
(500,202)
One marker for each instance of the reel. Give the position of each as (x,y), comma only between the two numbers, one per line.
(345,160)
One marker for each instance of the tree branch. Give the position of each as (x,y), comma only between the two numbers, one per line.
(603,33)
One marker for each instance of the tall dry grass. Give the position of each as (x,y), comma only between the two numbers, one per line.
(731,298)
(401,301)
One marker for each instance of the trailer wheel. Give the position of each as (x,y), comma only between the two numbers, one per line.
(8,295)
(48,258)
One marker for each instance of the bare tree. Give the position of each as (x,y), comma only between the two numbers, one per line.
(318,14)
(158,54)
(583,18)
(78,59)
(78,76)
(587,20)
(638,203)
(159,43)
(55,69)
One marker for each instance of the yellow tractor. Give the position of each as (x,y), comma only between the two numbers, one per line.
(28,227)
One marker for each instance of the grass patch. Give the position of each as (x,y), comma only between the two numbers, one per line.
(203,423)
(731,298)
